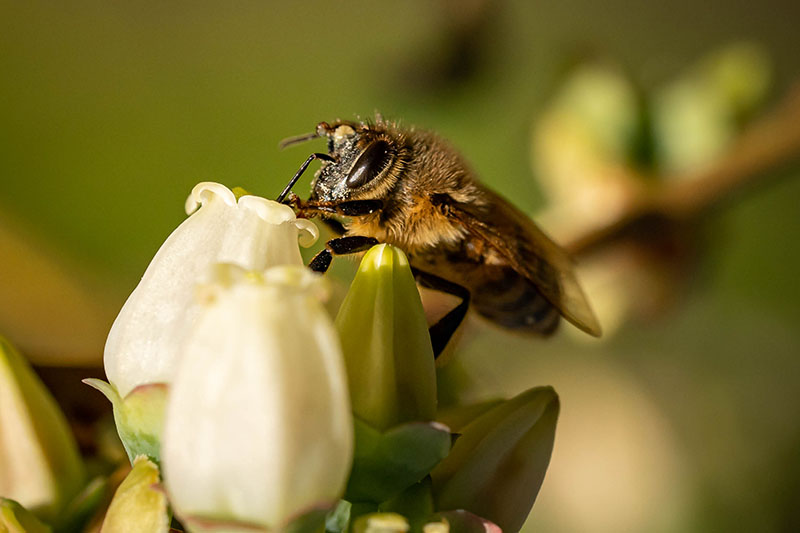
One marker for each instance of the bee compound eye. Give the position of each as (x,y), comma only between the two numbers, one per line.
(369,164)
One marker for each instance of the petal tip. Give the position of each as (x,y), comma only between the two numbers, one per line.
(203,191)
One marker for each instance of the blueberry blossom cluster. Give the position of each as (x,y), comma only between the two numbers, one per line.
(243,405)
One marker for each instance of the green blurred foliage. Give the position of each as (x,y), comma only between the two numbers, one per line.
(111,112)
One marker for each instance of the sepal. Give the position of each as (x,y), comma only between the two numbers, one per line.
(498,463)
(139,416)
(386,463)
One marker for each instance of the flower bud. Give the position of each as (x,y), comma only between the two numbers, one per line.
(390,364)
(258,427)
(39,462)
(381,523)
(138,504)
(497,465)
(251,232)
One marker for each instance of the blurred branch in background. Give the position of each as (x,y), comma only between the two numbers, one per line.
(631,174)
(773,141)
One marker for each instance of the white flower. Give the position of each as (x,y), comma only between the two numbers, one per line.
(252,232)
(258,426)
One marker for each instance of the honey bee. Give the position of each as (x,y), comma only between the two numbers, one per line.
(411,189)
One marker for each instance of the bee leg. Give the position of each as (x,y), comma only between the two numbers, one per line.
(352,208)
(340,246)
(443,330)
(358,208)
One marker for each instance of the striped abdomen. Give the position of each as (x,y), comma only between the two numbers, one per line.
(512,301)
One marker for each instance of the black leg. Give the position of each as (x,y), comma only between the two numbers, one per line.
(340,246)
(352,208)
(443,330)
(357,208)
(321,261)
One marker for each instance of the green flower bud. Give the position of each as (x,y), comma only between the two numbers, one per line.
(387,349)
(139,504)
(497,465)
(39,462)
(697,116)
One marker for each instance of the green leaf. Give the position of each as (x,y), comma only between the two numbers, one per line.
(386,463)
(386,345)
(497,465)
(139,417)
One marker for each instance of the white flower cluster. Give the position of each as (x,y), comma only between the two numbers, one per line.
(258,426)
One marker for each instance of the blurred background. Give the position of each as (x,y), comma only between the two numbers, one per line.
(684,417)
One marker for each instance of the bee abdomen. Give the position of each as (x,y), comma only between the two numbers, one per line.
(515,303)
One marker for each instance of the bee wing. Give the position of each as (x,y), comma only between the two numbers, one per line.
(531,253)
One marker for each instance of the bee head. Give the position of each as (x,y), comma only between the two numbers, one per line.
(365,157)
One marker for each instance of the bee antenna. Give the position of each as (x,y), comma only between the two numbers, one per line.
(297,139)
(303,167)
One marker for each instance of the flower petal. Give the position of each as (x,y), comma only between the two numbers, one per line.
(253,233)
(258,424)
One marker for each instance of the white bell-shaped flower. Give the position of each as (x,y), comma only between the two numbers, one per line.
(252,232)
(258,427)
